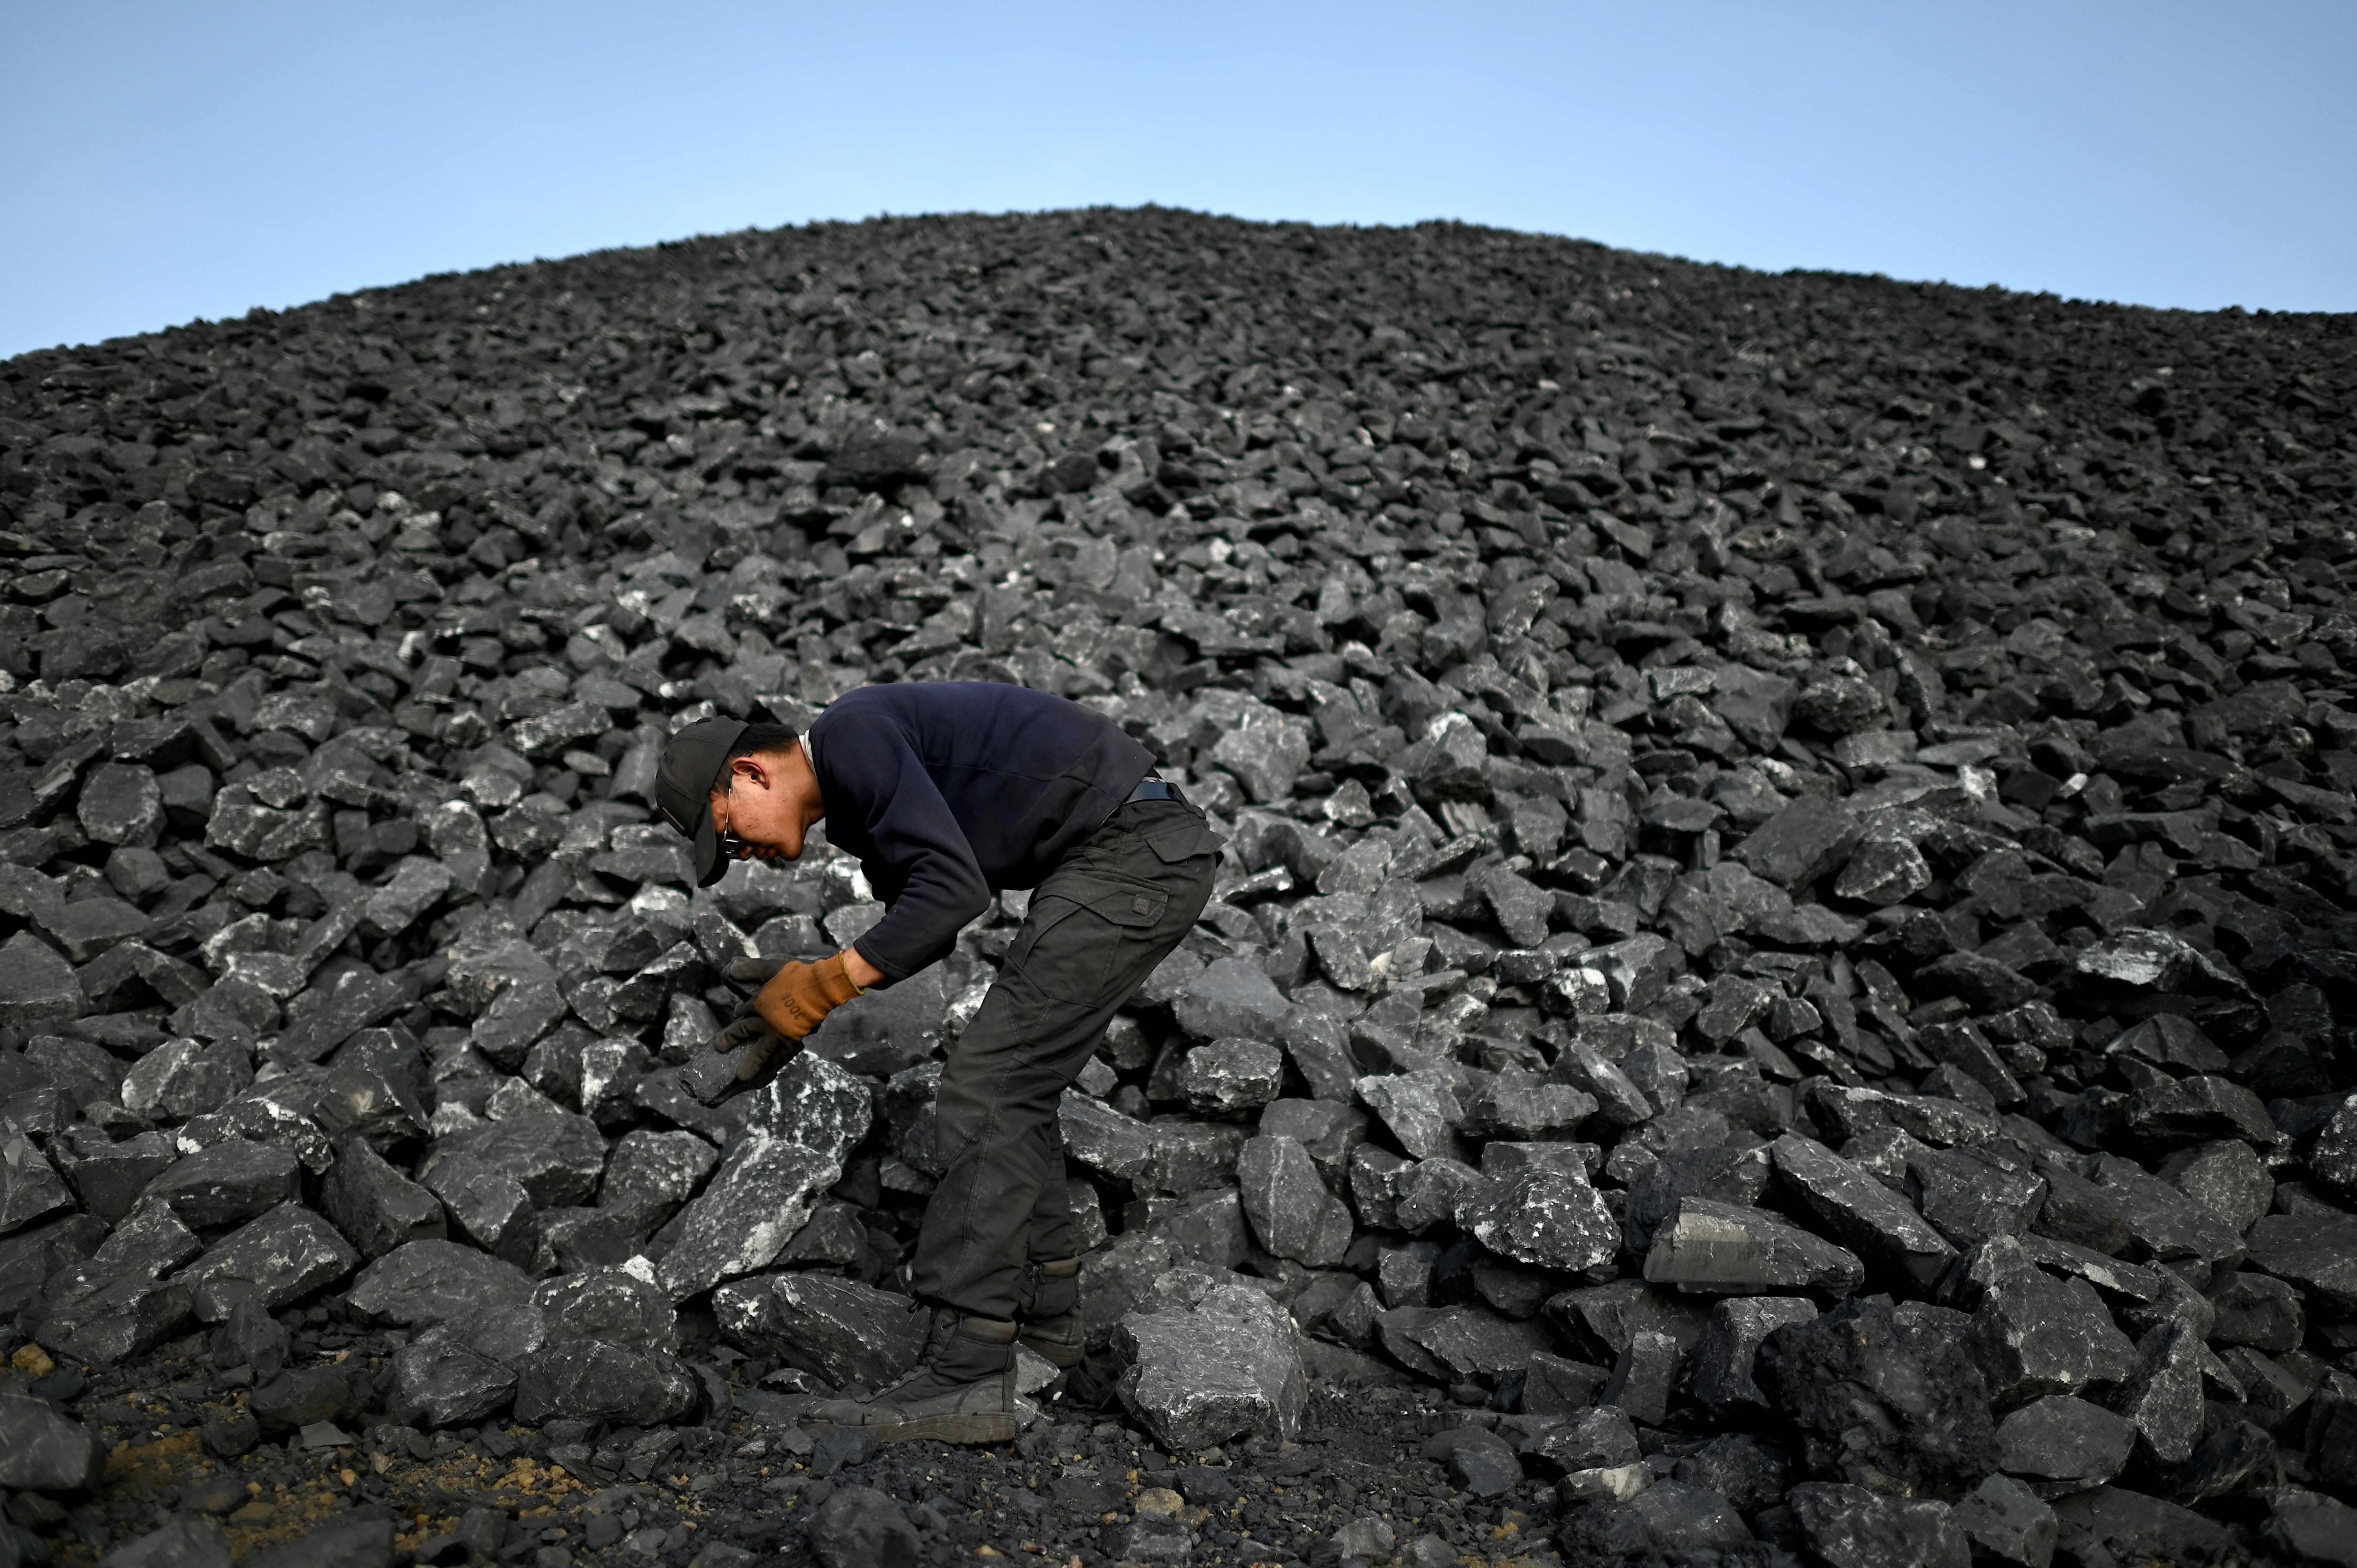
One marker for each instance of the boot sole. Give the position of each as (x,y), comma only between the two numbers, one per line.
(975,1426)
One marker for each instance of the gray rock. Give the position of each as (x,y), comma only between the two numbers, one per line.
(609,1303)
(839,1329)
(2008,1522)
(1518,1103)
(229,1183)
(1102,1138)
(1730,1250)
(1520,907)
(765,1191)
(2034,1335)
(1801,843)
(281,1257)
(1666,1517)
(555,1157)
(375,1206)
(1328,1128)
(440,1380)
(890,1030)
(2226,1177)
(1858,1211)
(2059,1444)
(1617,1099)
(1600,1438)
(1292,1211)
(2161,1399)
(813,1102)
(1215,1361)
(2316,1250)
(42,1449)
(181,1079)
(2332,1158)
(859,1527)
(30,1187)
(1552,1219)
(2144,959)
(1420,1109)
(1723,1361)
(1892,1403)
(1883,870)
(424,1283)
(1431,1192)
(1643,1378)
(110,1178)
(1264,750)
(588,1380)
(418,883)
(1850,1527)
(1231,997)
(1232,1075)
(103,1317)
(488,1207)
(1969,1195)
(2195,1109)
(2258,1310)
(1481,1464)
(650,1174)
(1458,1343)
(150,1240)
(37,984)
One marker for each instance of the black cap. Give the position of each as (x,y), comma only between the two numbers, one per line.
(691,762)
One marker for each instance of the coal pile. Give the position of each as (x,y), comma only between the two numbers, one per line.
(1782,990)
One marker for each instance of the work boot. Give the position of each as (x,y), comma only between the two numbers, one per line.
(962,1391)
(1051,1318)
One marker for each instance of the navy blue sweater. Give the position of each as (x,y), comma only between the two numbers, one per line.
(949,790)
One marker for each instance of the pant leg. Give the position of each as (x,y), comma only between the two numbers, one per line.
(1098,924)
(1051,1236)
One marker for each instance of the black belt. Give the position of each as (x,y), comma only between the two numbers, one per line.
(1152,789)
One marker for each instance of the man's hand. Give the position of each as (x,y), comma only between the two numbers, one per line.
(763,1047)
(798,998)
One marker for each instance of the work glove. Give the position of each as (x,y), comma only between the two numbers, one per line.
(762,1046)
(755,972)
(798,996)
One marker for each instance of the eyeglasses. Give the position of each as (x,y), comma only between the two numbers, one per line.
(732,847)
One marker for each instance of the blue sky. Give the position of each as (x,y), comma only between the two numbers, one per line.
(166,162)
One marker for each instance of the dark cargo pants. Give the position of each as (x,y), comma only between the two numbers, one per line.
(1098,926)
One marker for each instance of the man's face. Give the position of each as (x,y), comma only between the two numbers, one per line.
(760,809)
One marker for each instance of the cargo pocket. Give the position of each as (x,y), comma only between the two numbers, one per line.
(1184,840)
(1090,939)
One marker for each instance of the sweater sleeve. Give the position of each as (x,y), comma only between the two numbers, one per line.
(879,778)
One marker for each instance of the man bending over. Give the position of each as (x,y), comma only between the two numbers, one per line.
(946,793)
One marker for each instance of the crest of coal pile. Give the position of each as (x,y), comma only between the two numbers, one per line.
(1780,985)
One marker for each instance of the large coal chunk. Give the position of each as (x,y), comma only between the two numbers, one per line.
(42,1449)
(2034,1334)
(1210,1362)
(229,1183)
(839,1329)
(588,1380)
(422,1282)
(279,1258)
(1853,1527)
(1894,1405)
(763,1193)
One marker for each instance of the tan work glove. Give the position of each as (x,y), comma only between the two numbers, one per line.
(800,995)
